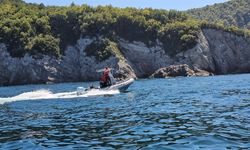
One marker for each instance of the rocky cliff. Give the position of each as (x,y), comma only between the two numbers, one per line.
(219,52)
(216,51)
(74,66)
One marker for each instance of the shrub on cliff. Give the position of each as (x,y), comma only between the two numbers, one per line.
(231,29)
(231,13)
(102,49)
(44,44)
(179,36)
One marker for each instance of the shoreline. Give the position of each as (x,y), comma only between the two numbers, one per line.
(137,79)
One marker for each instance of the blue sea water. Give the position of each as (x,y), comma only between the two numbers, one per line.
(176,113)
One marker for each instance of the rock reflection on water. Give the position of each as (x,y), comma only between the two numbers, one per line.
(152,115)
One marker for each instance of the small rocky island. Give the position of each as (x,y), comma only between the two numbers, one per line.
(179,70)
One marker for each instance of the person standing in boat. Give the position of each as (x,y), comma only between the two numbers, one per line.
(107,78)
(106,73)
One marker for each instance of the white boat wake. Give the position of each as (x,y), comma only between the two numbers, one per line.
(46,94)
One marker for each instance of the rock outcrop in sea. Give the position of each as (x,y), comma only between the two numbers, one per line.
(216,51)
(179,70)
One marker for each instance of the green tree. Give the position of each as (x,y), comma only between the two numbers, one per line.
(44,44)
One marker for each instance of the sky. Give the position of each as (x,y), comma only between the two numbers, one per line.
(159,4)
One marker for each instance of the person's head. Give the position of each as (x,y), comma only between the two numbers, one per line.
(106,67)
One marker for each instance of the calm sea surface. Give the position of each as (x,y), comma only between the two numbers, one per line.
(178,113)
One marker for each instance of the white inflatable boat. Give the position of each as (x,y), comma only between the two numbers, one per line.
(121,86)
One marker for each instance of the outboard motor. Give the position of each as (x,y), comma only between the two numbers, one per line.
(112,79)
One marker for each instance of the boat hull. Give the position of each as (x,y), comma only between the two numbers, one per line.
(121,86)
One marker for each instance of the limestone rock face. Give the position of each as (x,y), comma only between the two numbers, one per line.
(219,52)
(145,60)
(230,53)
(74,66)
(25,70)
(216,51)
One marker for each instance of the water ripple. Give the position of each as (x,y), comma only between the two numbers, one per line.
(181,113)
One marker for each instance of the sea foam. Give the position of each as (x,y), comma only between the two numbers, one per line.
(46,94)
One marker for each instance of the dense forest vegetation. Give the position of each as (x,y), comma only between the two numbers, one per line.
(36,29)
(234,12)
